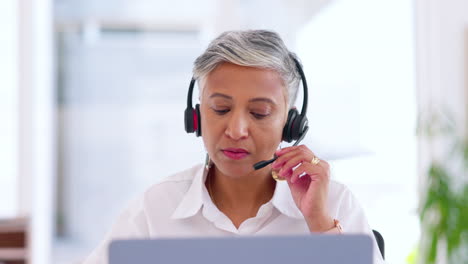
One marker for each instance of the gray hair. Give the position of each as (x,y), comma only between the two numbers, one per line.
(252,48)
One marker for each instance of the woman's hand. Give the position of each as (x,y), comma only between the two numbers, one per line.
(310,191)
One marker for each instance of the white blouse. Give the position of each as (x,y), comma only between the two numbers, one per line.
(180,206)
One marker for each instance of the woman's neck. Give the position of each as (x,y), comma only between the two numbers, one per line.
(240,197)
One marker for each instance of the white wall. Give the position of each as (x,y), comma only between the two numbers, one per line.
(8,108)
(284,17)
(36,148)
(441,45)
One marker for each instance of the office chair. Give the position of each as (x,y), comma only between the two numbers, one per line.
(380,242)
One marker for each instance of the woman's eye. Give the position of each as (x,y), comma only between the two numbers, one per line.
(258,116)
(225,111)
(221,111)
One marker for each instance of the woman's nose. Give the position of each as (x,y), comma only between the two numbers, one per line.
(237,127)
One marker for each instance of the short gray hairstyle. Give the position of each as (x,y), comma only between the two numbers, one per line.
(252,48)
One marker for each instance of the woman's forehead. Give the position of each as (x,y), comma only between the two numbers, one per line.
(249,83)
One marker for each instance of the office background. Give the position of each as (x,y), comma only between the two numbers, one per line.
(92,96)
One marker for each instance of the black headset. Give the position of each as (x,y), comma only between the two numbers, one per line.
(294,129)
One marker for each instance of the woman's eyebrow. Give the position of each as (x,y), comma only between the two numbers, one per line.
(262,99)
(257,99)
(221,95)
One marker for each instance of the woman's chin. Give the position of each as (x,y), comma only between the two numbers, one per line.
(236,169)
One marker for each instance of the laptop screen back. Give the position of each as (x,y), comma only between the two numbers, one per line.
(322,249)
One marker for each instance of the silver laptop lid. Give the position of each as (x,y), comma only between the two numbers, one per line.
(321,249)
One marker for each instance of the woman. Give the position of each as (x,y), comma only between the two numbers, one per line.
(248,83)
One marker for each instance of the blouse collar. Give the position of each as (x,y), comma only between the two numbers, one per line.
(197,195)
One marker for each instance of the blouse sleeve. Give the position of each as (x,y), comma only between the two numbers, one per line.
(353,220)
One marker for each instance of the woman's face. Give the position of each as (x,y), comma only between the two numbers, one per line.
(243,112)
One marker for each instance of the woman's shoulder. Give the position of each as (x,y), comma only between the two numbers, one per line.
(171,189)
(163,196)
(184,175)
(177,182)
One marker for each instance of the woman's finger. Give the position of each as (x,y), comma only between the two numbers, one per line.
(280,161)
(295,153)
(283,151)
(306,168)
(293,162)
(286,174)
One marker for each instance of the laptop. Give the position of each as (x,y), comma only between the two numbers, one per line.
(320,249)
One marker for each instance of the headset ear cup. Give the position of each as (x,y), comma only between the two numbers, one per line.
(298,127)
(188,120)
(197,120)
(287,136)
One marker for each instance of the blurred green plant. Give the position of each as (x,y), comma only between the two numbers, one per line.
(411,258)
(443,210)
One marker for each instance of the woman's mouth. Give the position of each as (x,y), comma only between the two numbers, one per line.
(235,154)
